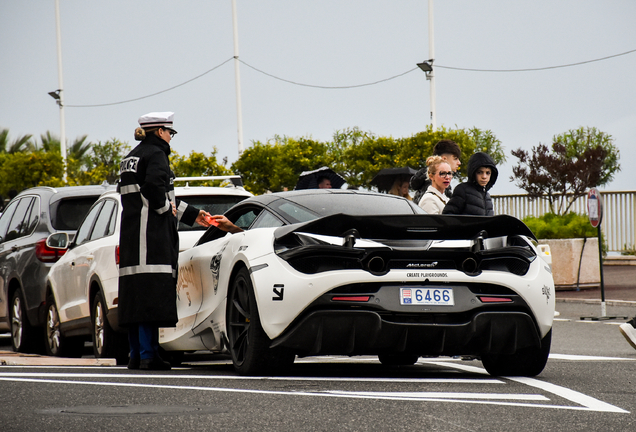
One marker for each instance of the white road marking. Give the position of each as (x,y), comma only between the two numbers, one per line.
(589,403)
(573,357)
(253,378)
(444,395)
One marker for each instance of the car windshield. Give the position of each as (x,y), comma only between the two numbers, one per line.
(68,213)
(213,204)
(309,207)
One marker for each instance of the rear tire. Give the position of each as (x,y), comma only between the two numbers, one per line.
(527,362)
(55,343)
(107,343)
(249,345)
(25,338)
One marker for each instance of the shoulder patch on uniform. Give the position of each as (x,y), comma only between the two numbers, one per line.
(129,164)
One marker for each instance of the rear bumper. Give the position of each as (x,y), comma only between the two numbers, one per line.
(347,332)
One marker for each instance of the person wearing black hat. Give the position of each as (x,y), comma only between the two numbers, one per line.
(149,241)
(450,152)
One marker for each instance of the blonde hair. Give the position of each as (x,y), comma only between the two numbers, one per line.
(141,133)
(397,184)
(432,162)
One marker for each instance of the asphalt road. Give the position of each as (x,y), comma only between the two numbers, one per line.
(588,385)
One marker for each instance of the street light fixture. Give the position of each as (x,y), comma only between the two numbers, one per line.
(56,95)
(426,66)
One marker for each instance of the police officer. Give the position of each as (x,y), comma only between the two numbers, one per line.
(149,241)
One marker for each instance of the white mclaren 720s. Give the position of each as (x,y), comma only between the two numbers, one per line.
(342,272)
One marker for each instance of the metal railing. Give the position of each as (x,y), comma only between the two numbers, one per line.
(619,214)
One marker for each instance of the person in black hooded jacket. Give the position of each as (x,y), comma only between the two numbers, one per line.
(472,197)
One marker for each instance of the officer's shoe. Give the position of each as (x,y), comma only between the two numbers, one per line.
(154,364)
(133,363)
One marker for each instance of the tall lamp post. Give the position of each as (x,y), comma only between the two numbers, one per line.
(58,95)
(237,78)
(427,65)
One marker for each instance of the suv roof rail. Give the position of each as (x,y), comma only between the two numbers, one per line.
(235,179)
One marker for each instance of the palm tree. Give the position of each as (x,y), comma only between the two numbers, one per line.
(49,142)
(79,149)
(19,144)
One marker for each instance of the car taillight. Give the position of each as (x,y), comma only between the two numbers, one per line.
(117,254)
(47,254)
(485,299)
(351,298)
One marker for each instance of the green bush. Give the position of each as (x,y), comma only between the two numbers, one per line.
(552,226)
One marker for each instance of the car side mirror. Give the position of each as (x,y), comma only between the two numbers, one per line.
(58,240)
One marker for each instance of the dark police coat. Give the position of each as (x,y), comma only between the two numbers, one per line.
(149,241)
(469,198)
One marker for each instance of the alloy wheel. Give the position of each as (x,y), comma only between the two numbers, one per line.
(98,328)
(17,324)
(53,335)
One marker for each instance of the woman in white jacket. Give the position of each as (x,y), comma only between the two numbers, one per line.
(434,199)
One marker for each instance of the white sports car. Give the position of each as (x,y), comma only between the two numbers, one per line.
(358,273)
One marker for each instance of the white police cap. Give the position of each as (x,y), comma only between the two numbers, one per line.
(157,119)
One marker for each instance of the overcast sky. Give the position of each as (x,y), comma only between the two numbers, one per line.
(119,50)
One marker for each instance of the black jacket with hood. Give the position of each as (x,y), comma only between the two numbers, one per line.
(469,198)
(149,241)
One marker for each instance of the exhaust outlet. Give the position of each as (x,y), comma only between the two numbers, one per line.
(376,265)
(469,266)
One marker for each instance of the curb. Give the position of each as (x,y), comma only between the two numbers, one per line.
(10,358)
(598,302)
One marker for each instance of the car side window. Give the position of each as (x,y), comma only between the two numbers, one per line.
(84,230)
(6,218)
(103,220)
(113,219)
(245,220)
(242,217)
(34,217)
(267,220)
(16,225)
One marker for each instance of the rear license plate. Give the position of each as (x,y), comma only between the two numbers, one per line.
(427,296)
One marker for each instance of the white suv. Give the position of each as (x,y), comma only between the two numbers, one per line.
(82,287)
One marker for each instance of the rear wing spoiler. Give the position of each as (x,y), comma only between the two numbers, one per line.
(235,179)
(422,227)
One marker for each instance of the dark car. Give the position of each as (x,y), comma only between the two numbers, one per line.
(25,258)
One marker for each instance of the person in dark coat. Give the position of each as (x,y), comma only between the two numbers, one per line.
(149,241)
(472,197)
(450,152)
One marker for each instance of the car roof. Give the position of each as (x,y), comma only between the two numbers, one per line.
(324,202)
(67,191)
(198,191)
(183,191)
(290,195)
